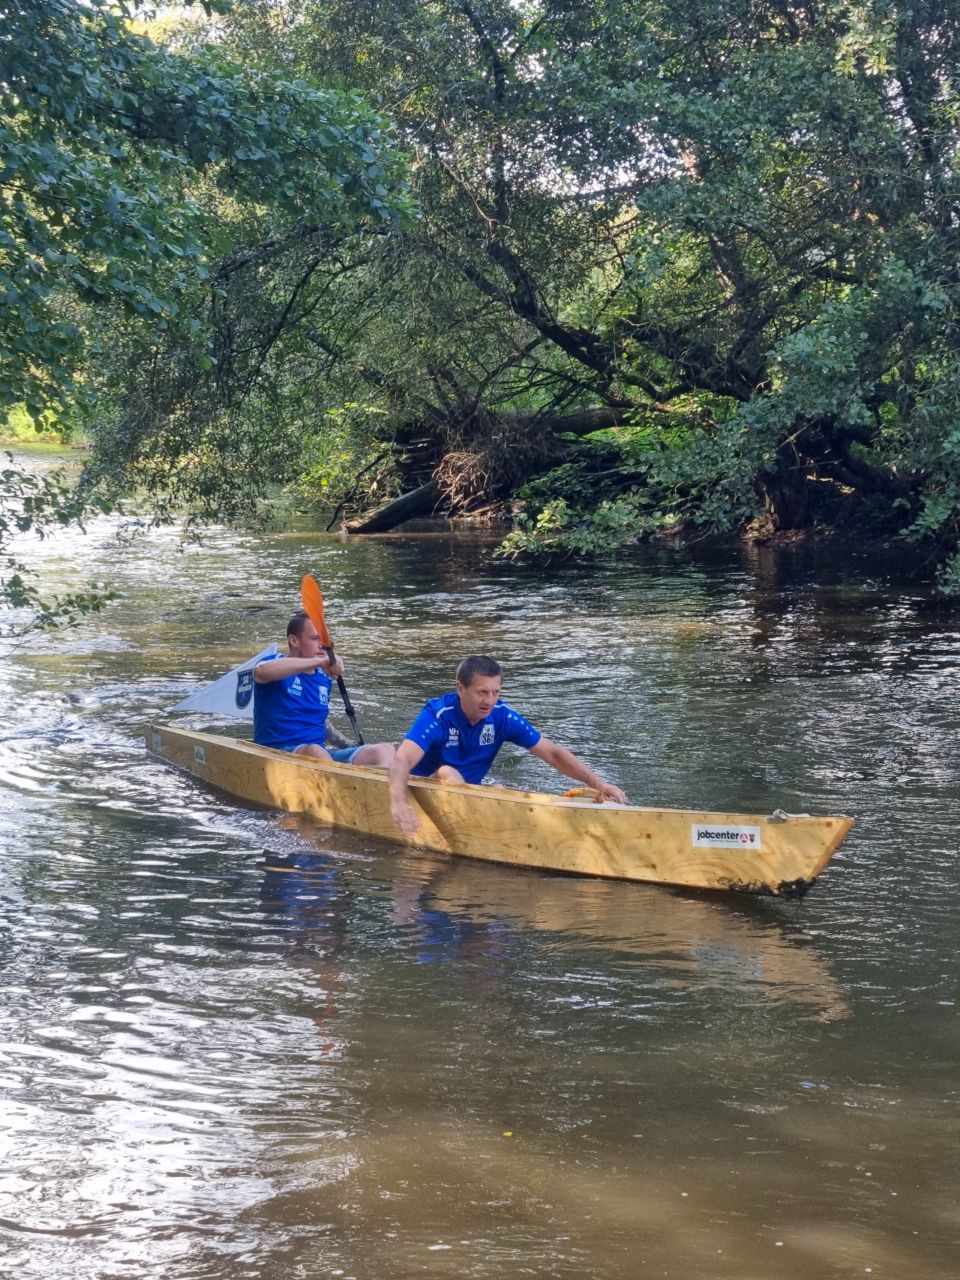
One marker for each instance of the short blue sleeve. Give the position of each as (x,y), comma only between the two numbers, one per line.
(426,731)
(518,730)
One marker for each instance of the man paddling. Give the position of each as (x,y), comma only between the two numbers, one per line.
(456,737)
(291,701)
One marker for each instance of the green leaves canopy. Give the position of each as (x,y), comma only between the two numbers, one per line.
(725,234)
(740,217)
(102,133)
(116,156)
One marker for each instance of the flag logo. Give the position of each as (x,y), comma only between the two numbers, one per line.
(244,689)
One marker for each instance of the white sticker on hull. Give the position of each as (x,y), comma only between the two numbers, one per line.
(722,836)
(155,740)
(199,755)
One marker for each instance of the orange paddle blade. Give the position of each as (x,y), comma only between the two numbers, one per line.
(313,608)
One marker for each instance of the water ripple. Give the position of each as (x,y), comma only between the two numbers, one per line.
(236,1044)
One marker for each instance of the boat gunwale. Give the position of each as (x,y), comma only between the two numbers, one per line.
(508,795)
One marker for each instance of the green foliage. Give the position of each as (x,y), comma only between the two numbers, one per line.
(620,487)
(100,132)
(743,206)
(125,169)
(345,449)
(558,528)
(50,427)
(948,576)
(727,231)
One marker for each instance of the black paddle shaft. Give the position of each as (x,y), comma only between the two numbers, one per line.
(347,705)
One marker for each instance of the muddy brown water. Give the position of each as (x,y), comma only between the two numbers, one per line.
(235,1043)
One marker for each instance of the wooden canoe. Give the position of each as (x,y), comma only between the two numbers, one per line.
(779,854)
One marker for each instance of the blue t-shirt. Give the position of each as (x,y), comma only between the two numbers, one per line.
(448,737)
(290,712)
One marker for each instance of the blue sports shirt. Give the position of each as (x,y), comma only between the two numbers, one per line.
(290,712)
(448,737)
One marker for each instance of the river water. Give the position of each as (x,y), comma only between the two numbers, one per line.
(235,1043)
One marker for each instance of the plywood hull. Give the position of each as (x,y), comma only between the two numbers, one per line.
(690,848)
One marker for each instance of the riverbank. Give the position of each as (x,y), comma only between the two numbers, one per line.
(892,558)
(43,446)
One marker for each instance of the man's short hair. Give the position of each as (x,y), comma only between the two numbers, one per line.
(296,624)
(477,665)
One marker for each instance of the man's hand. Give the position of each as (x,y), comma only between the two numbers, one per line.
(333,669)
(611,792)
(405,816)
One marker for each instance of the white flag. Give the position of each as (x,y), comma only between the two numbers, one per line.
(232,694)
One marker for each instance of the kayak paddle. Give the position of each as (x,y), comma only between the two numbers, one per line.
(313,608)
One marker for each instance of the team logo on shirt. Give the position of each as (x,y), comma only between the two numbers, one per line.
(244,689)
(487,736)
(453,737)
(323,693)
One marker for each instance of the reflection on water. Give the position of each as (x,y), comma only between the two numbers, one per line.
(691,940)
(239,1044)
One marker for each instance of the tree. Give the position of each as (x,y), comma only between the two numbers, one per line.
(672,263)
(107,144)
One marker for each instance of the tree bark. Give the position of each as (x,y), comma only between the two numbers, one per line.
(786,499)
(418,502)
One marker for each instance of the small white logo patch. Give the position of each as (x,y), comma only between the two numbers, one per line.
(453,738)
(707,836)
(487,736)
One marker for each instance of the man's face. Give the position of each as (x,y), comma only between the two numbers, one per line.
(479,697)
(306,644)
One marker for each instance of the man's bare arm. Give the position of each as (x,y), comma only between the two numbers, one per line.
(401,810)
(336,739)
(280,668)
(565,761)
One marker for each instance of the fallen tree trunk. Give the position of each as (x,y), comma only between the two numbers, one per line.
(465,476)
(418,502)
